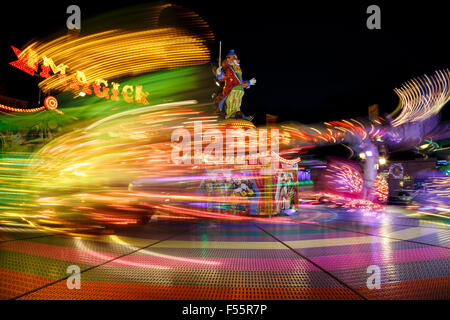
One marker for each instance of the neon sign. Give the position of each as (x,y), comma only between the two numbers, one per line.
(29,62)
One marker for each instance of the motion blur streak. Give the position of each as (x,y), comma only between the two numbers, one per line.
(145,44)
(119,169)
(423,97)
(436,195)
(88,172)
(118,53)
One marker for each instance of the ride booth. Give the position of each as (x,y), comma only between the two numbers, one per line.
(256,190)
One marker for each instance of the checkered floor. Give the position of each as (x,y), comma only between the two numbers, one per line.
(318,254)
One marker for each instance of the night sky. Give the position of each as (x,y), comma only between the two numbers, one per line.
(313,61)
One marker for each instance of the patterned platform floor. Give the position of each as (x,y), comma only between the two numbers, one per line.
(318,254)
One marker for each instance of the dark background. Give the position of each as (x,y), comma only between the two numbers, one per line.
(313,61)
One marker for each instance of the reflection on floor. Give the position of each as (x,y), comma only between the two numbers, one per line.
(319,254)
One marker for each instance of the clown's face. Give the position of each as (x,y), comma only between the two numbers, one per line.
(233,60)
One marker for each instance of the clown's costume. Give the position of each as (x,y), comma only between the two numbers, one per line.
(231,97)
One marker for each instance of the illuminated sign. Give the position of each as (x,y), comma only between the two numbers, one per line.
(29,63)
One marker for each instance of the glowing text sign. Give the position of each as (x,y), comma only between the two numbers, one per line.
(29,63)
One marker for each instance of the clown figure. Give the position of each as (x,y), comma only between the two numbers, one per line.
(231,97)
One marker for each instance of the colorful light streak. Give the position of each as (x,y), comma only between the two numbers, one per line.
(95,58)
(423,97)
(436,194)
(83,179)
(344,178)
